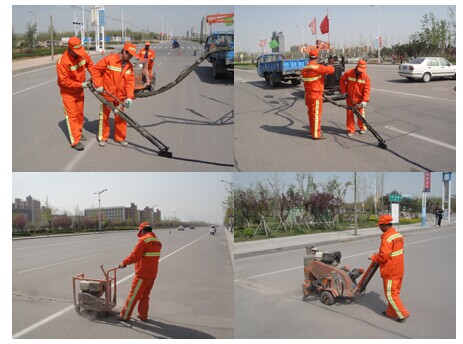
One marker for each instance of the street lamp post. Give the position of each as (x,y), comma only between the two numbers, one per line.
(379,46)
(99,208)
(303,39)
(162,27)
(153,213)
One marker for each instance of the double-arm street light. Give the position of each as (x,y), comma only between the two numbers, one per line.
(99,207)
(379,43)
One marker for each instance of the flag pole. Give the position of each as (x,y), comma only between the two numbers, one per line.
(316,39)
(329,43)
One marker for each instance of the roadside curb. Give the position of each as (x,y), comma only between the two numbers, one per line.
(325,242)
(231,243)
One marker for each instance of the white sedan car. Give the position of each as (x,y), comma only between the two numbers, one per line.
(427,68)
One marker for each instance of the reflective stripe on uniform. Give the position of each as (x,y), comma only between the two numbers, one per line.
(395,236)
(114,69)
(356,80)
(100,124)
(315,132)
(311,67)
(129,305)
(397,253)
(151,239)
(391,301)
(152,254)
(71,138)
(312,79)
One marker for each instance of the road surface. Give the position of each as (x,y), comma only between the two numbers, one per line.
(417,120)
(195,119)
(192,296)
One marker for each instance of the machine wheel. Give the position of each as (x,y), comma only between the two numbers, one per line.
(327,298)
(102,314)
(426,77)
(295,82)
(77,308)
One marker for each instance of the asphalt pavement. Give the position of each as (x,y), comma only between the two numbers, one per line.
(258,247)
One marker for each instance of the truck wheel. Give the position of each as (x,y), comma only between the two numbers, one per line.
(214,70)
(295,82)
(272,81)
(327,298)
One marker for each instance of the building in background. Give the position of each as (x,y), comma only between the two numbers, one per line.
(30,208)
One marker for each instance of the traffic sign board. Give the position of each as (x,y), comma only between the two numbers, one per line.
(395,198)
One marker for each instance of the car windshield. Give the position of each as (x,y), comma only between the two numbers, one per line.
(418,60)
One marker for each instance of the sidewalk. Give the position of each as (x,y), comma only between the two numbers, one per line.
(258,247)
(230,241)
(37,62)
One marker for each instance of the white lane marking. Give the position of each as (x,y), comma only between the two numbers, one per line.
(30,88)
(61,312)
(33,71)
(63,262)
(414,95)
(79,156)
(424,138)
(351,256)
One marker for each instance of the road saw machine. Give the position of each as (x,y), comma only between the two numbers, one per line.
(323,277)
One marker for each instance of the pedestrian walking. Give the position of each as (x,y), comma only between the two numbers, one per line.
(439,215)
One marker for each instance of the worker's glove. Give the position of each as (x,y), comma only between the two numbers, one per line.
(128,102)
(85,84)
(371,255)
(99,89)
(121,266)
(363,104)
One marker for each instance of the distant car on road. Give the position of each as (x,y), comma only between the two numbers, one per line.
(192,227)
(427,68)
(181,228)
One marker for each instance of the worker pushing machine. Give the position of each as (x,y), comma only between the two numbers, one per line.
(145,256)
(115,79)
(147,54)
(313,75)
(71,69)
(356,83)
(391,264)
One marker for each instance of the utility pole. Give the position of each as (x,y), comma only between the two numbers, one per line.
(355,203)
(99,208)
(51,38)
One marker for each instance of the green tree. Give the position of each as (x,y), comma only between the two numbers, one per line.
(30,37)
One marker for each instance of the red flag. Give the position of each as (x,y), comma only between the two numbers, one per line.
(262,42)
(325,25)
(313,26)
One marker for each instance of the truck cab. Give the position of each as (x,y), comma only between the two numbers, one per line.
(221,61)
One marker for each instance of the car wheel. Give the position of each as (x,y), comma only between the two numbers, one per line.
(455,76)
(426,77)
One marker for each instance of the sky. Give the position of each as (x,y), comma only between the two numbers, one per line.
(348,24)
(406,183)
(176,20)
(187,196)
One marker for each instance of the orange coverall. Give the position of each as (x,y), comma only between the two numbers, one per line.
(151,56)
(145,256)
(358,91)
(313,75)
(71,74)
(391,263)
(119,81)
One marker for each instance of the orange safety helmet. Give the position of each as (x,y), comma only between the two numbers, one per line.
(313,53)
(131,48)
(147,43)
(385,220)
(75,45)
(362,65)
(144,226)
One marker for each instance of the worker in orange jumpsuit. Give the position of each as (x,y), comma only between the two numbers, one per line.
(391,264)
(145,256)
(356,83)
(115,75)
(71,70)
(313,75)
(146,54)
